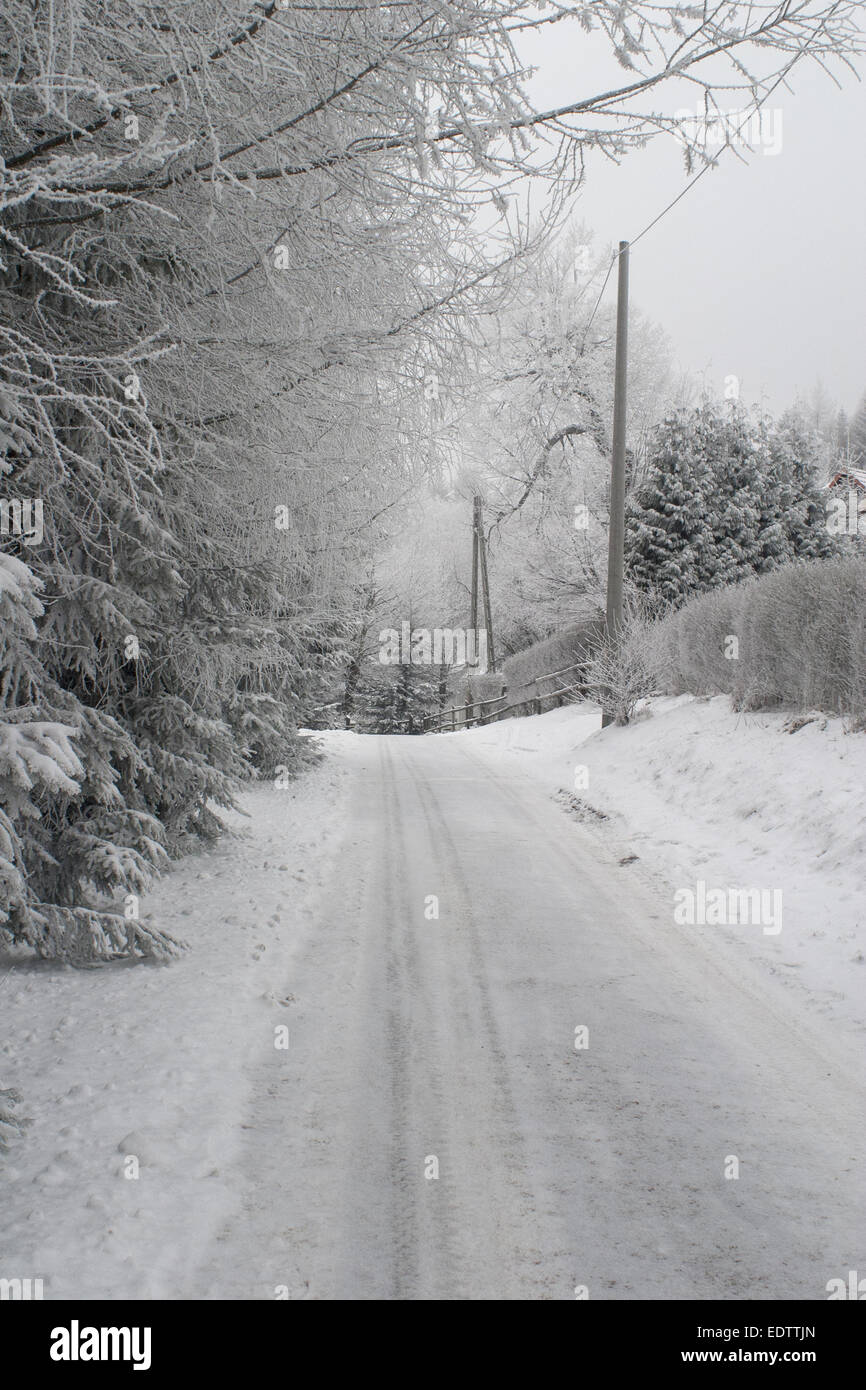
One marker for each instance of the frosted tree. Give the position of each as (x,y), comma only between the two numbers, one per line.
(727,497)
(537,437)
(857,436)
(47,857)
(735,468)
(796,464)
(669,540)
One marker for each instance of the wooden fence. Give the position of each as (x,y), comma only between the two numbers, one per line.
(479,712)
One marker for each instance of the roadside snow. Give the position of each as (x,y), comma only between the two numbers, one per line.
(150,1062)
(698,792)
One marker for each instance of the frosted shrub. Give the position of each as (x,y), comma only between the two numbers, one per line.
(623,672)
(799,640)
(693,643)
(567,648)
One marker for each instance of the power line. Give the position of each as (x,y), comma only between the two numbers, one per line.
(664,212)
(597,302)
(699,175)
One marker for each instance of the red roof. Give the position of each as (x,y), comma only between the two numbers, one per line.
(854,477)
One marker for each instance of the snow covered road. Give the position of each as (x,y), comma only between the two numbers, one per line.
(451,1045)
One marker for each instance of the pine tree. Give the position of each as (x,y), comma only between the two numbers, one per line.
(668,539)
(857,453)
(794,453)
(736,486)
(397,699)
(68,841)
(775,543)
(726,497)
(841,440)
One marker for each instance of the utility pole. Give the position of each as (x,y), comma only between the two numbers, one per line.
(485,586)
(616,540)
(479,561)
(473,614)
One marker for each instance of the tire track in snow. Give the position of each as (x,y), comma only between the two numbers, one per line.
(501,1200)
(413,1037)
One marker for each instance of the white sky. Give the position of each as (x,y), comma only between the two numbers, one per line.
(759,271)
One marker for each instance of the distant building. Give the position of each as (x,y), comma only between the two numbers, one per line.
(847,509)
(848,477)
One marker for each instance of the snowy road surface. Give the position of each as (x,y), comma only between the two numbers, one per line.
(419,1043)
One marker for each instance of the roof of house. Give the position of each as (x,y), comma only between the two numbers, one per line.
(853,476)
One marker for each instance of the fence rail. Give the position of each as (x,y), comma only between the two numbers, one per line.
(465,716)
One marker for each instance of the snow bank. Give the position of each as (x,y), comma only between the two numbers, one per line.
(700,793)
(142,1068)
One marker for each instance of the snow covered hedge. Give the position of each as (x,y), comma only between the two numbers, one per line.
(794,638)
(571,645)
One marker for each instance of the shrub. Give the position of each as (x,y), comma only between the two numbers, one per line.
(623,672)
(801,635)
(567,648)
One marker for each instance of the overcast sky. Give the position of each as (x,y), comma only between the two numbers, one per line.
(759,270)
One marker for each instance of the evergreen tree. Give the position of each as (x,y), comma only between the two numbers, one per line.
(68,838)
(775,499)
(735,478)
(841,439)
(857,453)
(725,497)
(795,456)
(668,539)
(397,699)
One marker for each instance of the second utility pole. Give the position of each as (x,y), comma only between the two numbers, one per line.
(616,541)
(479,562)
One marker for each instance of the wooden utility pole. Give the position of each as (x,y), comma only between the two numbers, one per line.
(479,561)
(616,540)
(485,587)
(473,615)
